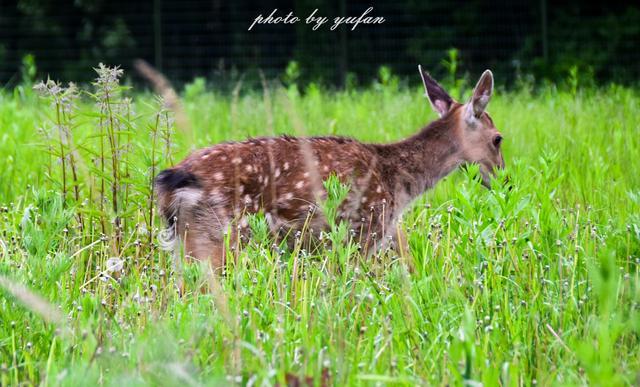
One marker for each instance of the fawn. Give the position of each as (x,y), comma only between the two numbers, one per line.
(210,193)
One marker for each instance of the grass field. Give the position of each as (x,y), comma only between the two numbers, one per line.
(534,285)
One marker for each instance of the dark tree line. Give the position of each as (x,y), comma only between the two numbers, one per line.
(210,38)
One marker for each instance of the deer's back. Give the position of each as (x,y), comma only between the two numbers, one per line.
(283,177)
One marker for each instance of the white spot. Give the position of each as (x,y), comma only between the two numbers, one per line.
(271,220)
(241,189)
(286,166)
(325,168)
(188,196)
(306,174)
(205,157)
(288,196)
(249,168)
(266,181)
(218,176)
(379,189)
(300,184)
(247,199)
(223,158)
(260,178)
(364,199)
(277,172)
(236,160)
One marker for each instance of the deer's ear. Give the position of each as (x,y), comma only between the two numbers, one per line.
(482,93)
(438,97)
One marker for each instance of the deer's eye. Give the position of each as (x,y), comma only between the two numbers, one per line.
(497,140)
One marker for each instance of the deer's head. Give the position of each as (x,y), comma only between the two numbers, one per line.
(477,138)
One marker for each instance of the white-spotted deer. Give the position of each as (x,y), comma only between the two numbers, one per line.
(210,192)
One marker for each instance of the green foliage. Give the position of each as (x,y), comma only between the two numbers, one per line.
(28,69)
(336,193)
(195,89)
(452,63)
(532,281)
(386,82)
(291,74)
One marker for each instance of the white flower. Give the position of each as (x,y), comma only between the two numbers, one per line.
(114,264)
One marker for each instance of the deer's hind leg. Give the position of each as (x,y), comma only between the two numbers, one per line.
(201,247)
(205,239)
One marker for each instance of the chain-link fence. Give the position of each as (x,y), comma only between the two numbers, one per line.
(192,38)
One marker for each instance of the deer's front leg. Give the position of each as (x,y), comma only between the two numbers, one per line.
(394,240)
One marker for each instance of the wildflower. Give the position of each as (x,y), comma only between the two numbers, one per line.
(114,265)
(108,78)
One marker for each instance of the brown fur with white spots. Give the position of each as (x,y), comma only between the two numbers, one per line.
(209,193)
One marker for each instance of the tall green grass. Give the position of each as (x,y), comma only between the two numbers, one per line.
(533,285)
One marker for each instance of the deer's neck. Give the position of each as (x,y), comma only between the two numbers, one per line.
(416,164)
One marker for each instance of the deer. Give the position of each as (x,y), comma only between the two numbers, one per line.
(211,193)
